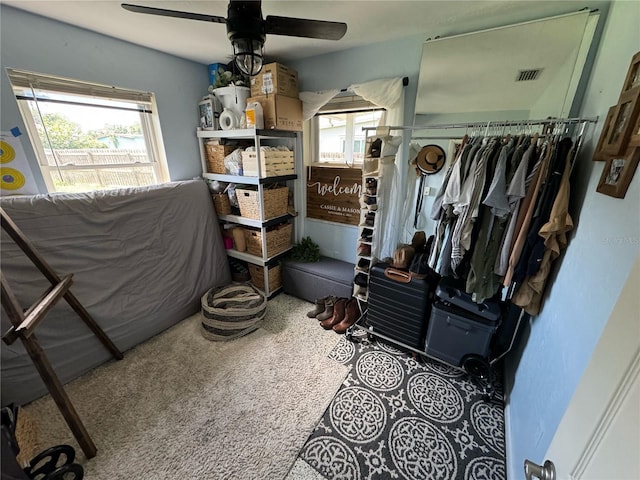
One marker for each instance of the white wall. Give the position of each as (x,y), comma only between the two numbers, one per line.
(543,372)
(31,42)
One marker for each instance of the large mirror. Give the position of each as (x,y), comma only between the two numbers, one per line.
(525,71)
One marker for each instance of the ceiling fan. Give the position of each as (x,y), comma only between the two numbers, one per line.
(247,30)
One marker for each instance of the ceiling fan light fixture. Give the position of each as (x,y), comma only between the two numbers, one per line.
(248,54)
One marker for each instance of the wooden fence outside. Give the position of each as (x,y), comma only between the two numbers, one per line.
(97,168)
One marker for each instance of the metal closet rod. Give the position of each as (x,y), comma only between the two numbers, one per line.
(491,123)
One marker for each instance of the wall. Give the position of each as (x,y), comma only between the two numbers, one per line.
(340,70)
(546,367)
(35,43)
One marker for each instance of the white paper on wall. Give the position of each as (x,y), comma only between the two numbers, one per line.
(16,177)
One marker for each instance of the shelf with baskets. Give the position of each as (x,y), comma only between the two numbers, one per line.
(263,224)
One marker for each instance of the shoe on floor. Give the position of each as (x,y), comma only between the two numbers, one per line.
(328,309)
(319,307)
(351,315)
(338,314)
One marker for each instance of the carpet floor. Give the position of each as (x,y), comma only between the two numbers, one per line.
(404,418)
(181,407)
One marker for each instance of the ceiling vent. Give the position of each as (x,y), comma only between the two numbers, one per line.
(526,75)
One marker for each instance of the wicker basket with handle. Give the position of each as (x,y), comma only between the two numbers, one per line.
(257,276)
(215,156)
(275,202)
(278,240)
(221,203)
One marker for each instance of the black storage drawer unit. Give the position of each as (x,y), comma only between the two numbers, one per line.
(398,310)
(455,333)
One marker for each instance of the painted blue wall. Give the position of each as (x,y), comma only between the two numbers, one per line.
(340,70)
(31,42)
(544,371)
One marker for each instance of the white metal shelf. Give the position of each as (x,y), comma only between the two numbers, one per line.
(250,222)
(245,133)
(273,137)
(245,179)
(247,257)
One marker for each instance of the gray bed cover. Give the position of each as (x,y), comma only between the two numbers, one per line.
(141,258)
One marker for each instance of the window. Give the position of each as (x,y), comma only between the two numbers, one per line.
(89,136)
(339,127)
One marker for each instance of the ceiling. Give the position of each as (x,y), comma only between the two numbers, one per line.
(368,22)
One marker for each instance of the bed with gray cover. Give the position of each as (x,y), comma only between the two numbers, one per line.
(141,259)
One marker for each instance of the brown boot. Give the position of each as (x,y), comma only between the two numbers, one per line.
(338,314)
(352,313)
(328,309)
(319,307)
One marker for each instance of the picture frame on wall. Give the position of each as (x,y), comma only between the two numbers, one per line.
(624,119)
(206,114)
(599,153)
(632,80)
(634,140)
(618,172)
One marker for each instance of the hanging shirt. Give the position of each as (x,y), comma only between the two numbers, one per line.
(516,191)
(496,197)
(482,282)
(534,246)
(554,234)
(476,180)
(523,219)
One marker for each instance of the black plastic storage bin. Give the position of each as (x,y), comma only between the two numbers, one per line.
(454,333)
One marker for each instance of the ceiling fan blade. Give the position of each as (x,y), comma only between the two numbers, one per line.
(300,27)
(173,13)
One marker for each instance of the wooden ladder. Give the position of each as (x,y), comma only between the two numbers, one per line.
(25,322)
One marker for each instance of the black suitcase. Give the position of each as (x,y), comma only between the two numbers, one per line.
(451,291)
(398,305)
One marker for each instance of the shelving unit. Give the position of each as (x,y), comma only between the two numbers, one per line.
(259,138)
(365,259)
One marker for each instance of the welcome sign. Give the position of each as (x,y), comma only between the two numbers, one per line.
(333,194)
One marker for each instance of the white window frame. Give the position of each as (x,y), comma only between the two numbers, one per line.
(349,104)
(149,121)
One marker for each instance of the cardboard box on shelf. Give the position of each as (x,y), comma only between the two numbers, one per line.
(280,112)
(275,78)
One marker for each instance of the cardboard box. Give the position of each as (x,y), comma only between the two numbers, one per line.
(213,70)
(280,112)
(275,78)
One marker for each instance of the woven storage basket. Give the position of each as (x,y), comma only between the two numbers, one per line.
(272,163)
(215,156)
(257,276)
(275,202)
(278,240)
(232,311)
(221,203)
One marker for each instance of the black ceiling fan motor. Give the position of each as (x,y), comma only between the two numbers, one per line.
(244,20)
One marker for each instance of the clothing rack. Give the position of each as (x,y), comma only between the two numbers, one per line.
(491,123)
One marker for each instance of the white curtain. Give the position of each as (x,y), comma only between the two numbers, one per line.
(388,94)
(312,102)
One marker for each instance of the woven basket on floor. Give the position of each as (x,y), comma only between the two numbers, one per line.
(232,311)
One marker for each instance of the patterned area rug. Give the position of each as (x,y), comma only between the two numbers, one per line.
(404,418)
